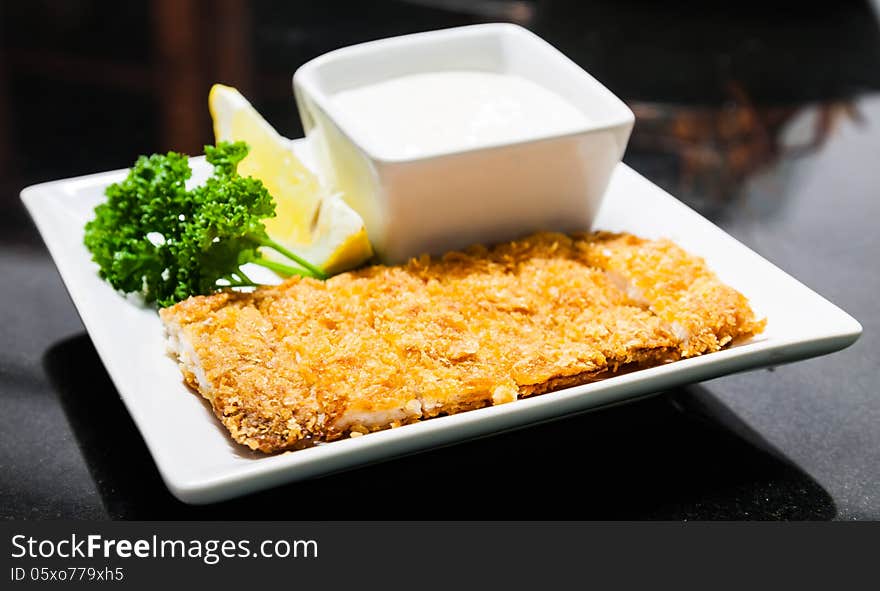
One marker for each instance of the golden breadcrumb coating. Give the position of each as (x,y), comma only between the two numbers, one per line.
(309,361)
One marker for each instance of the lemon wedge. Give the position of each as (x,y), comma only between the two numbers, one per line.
(314,224)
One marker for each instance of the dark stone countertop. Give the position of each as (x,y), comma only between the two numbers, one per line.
(766,120)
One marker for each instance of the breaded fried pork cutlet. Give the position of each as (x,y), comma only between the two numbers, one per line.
(309,361)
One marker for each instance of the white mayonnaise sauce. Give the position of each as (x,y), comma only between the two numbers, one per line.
(437,112)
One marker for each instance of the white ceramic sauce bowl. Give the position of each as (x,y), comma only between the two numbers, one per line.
(449,200)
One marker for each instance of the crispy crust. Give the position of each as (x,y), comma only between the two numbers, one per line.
(384,346)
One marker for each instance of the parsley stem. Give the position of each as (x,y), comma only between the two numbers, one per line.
(282,268)
(242,276)
(266,241)
(234,279)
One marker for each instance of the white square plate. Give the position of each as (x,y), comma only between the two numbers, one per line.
(201,464)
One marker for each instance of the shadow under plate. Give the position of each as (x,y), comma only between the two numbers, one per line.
(680,455)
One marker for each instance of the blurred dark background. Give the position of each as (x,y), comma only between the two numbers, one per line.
(764,116)
(87,85)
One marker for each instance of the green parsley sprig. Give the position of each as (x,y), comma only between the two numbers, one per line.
(154,237)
